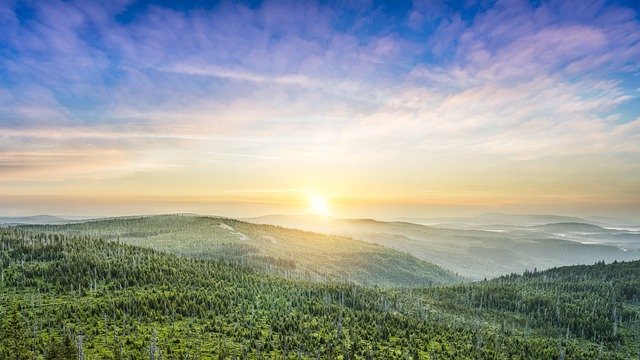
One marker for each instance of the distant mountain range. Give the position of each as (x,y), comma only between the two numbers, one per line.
(571,226)
(488,246)
(495,218)
(36,219)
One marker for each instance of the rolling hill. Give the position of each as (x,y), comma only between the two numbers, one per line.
(36,219)
(490,252)
(495,218)
(61,295)
(514,220)
(571,227)
(276,250)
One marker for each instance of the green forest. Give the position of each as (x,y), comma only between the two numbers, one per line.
(269,249)
(70,296)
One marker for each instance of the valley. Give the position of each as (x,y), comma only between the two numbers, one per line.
(485,250)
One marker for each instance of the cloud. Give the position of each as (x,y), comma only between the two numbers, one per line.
(524,82)
(240,75)
(352,87)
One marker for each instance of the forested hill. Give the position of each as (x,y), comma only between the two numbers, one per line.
(127,302)
(599,302)
(617,272)
(484,251)
(271,249)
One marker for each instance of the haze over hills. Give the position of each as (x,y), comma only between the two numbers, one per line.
(495,218)
(35,219)
(476,250)
(608,221)
(489,250)
(277,250)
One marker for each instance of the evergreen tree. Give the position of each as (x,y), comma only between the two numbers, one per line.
(62,350)
(16,341)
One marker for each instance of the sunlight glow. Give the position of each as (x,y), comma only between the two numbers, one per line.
(319,205)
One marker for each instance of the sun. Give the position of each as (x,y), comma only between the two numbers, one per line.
(319,205)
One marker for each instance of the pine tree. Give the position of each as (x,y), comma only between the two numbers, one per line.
(62,350)
(68,349)
(54,351)
(15,337)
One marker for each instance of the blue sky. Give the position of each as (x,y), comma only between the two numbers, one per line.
(398,108)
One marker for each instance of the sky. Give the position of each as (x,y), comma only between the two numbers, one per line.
(382,109)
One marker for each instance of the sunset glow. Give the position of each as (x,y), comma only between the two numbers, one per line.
(346,179)
(399,109)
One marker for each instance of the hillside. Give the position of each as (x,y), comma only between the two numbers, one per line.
(571,226)
(36,219)
(490,252)
(128,302)
(599,302)
(285,252)
(495,218)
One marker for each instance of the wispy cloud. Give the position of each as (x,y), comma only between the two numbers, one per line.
(240,75)
(114,90)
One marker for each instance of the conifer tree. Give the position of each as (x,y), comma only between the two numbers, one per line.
(15,337)
(62,350)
